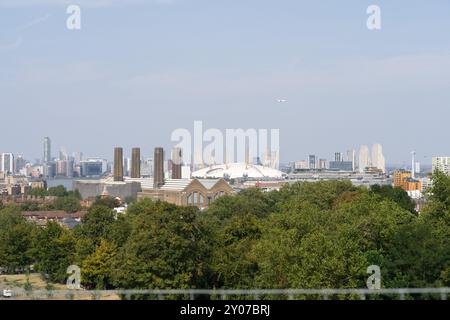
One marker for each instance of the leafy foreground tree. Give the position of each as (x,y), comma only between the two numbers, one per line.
(166,248)
(97,267)
(16,237)
(54,252)
(436,217)
(323,235)
(396,194)
(307,235)
(97,225)
(235,224)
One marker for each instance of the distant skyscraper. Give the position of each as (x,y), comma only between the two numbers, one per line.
(417,167)
(364,158)
(413,164)
(7,163)
(135,163)
(158,172)
(312,161)
(338,156)
(378,157)
(322,163)
(63,154)
(127,167)
(118,164)
(47,150)
(92,167)
(77,157)
(64,168)
(49,169)
(176,163)
(20,163)
(351,156)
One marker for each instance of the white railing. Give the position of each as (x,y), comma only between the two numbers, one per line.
(231,294)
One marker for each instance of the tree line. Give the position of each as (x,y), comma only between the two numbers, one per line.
(68,201)
(306,235)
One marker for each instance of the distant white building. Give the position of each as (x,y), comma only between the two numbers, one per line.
(302,164)
(238,170)
(7,163)
(417,167)
(364,158)
(415,194)
(351,156)
(378,160)
(441,164)
(147,168)
(186,172)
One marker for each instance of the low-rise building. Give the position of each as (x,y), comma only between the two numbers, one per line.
(188,192)
(121,189)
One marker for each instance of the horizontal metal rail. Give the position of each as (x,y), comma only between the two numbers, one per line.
(226,293)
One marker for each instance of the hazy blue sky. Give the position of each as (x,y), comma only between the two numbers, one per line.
(137,70)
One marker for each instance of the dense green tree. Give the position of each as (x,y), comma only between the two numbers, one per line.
(416,257)
(38,192)
(58,191)
(305,246)
(395,194)
(75,194)
(96,224)
(438,204)
(306,235)
(16,236)
(99,224)
(323,194)
(235,225)
(54,252)
(68,204)
(165,249)
(238,223)
(109,202)
(436,218)
(97,267)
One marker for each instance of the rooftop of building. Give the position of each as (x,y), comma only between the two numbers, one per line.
(238,170)
(178,184)
(52,214)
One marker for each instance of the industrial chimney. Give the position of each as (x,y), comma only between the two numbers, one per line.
(158,172)
(176,163)
(135,163)
(118,164)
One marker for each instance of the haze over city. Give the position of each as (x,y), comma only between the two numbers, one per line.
(137,70)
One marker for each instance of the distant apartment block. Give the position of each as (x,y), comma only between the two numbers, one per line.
(441,164)
(403,179)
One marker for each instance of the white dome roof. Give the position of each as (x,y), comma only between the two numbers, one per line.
(238,170)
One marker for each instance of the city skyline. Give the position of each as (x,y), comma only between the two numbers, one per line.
(350,161)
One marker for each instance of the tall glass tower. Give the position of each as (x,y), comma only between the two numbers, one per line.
(47,150)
